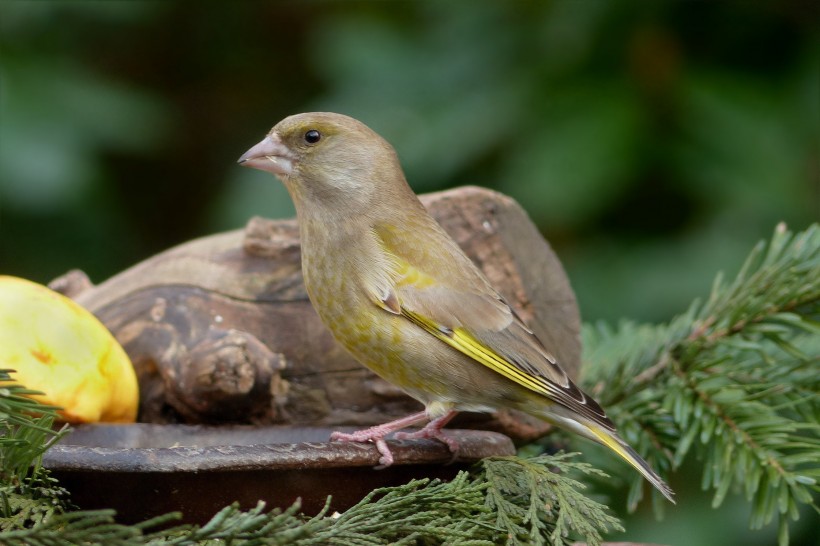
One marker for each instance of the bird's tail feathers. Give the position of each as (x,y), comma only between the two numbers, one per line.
(613,442)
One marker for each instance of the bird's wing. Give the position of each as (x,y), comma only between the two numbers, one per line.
(472,318)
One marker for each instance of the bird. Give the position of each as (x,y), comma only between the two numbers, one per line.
(402,297)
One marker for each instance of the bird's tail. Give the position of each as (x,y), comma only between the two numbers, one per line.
(613,442)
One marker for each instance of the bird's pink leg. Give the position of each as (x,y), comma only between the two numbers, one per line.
(376,435)
(434,431)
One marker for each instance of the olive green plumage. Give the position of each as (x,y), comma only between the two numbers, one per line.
(403,298)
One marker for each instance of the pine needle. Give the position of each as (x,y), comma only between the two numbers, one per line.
(735,380)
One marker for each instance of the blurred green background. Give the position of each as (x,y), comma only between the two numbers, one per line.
(653,142)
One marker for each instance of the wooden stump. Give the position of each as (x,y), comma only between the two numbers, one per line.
(220,329)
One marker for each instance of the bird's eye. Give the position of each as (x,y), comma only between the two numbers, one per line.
(313,136)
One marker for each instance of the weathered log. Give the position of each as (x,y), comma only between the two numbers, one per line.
(220,329)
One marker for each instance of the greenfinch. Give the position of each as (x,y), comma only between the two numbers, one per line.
(403,298)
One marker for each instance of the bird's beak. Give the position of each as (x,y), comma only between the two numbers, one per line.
(269,155)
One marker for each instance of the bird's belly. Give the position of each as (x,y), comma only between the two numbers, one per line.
(408,357)
(396,349)
(380,341)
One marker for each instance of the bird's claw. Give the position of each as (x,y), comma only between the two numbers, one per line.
(378,433)
(432,434)
(386,458)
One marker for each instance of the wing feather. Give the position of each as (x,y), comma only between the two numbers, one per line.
(473,318)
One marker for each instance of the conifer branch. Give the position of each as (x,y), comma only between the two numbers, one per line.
(556,505)
(27,494)
(735,379)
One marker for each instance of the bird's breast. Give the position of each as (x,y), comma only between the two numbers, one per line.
(333,276)
(394,348)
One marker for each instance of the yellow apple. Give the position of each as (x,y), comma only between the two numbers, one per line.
(58,347)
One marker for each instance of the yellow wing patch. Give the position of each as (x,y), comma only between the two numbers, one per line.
(407,275)
(463,341)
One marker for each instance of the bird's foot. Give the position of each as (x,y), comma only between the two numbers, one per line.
(373,434)
(377,434)
(434,431)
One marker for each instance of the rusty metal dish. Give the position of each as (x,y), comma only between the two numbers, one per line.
(144,470)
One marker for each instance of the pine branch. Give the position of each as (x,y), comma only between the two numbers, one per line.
(736,379)
(25,430)
(28,495)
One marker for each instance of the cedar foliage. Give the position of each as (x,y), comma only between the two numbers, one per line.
(733,381)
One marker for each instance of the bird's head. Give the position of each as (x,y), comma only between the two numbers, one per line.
(327,159)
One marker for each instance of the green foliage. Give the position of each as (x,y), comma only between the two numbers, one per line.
(639,135)
(734,380)
(511,500)
(89,528)
(27,494)
(556,505)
